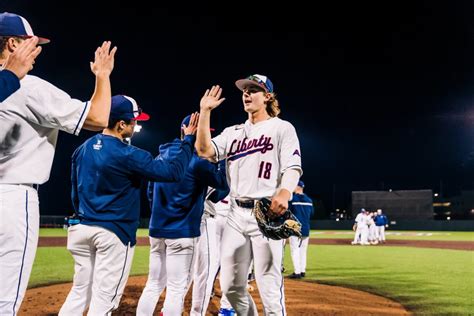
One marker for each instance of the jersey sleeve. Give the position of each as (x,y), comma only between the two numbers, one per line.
(165,170)
(51,107)
(211,175)
(220,144)
(290,153)
(9,83)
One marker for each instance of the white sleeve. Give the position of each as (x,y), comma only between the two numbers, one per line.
(290,153)
(289,180)
(49,106)
(220,144)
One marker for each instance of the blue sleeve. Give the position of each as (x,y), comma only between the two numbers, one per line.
(9,83)
(385,219)
(209,174)
(74,196)
(218,195)
(163,170)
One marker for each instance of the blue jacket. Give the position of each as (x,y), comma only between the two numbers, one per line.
(302,207)
(9,83)
(177,208)
(381,220)
(106,177)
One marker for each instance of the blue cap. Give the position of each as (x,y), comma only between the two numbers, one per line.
(255,80)
(14,25)
(126,108)
(301,184)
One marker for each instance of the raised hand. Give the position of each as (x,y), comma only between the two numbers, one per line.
(211,98)
(22,59)
(103,63)
(193,124)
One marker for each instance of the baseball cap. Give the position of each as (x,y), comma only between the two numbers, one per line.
(186,120)
(14,25)
(126,108)
(255,80)
(301,184)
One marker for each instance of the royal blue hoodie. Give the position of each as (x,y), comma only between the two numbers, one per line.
(177,208)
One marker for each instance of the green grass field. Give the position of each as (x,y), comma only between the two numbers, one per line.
(426,281)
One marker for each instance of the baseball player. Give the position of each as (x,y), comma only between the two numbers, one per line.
(372,237)
(177,209)
(207,258)
(381,222)
(17,65)
(263,160)
(106,178)
(362,228)
(30,121)
(302,207)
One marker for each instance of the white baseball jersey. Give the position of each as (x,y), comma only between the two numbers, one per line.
(257,156)
(362,219)
(30,120)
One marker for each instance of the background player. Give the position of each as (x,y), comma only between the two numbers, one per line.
(106,178)
(381,222)
(263,160)
(175,222)
(302,207)
(207,259)
(30,121)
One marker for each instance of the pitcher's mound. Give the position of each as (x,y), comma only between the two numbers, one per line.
(302,298)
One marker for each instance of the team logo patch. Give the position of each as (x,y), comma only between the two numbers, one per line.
(297,152)
(98,145)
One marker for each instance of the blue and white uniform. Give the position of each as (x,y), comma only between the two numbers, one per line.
(106,178)
(9,83)
(177,209)
(381,221)
(302,207)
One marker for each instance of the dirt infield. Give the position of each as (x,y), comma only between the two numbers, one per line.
(456,245)
(302,298)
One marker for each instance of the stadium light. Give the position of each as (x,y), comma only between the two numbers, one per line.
(436,194)
(137,128)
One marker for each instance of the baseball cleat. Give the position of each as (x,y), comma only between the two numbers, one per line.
(294,276)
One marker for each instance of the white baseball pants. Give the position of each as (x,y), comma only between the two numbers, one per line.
(170,266)
(19,229)
(241,241)
(101,269)
(381,233)
(298,253)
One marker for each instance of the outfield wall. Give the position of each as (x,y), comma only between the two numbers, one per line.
(466,225)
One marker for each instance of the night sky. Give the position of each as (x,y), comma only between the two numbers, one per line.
(380,93)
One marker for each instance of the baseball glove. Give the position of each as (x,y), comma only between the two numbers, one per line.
(275,228)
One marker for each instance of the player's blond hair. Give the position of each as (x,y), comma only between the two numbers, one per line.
(272,106)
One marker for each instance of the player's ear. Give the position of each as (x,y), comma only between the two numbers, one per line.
(12,44)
